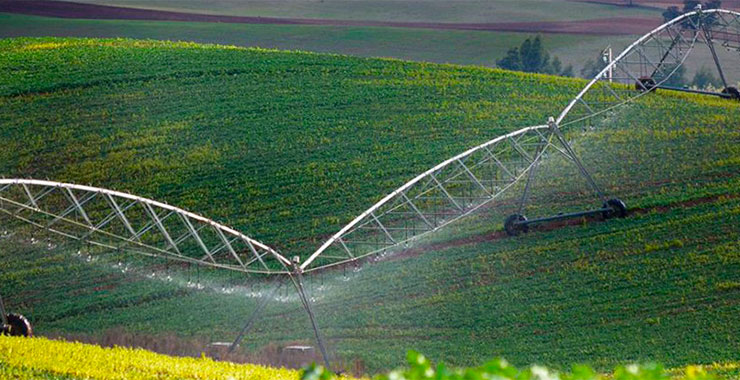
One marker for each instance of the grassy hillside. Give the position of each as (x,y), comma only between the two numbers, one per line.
(441,46)
(284,146)
(416,10)
(288,146)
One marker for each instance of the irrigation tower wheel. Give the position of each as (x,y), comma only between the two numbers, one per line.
(645,84)
(616,207)
(18,325)
(733,92)
(513,226)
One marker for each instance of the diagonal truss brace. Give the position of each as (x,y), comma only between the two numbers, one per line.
(253,317)
(555,130)
(518,223)
(297,278)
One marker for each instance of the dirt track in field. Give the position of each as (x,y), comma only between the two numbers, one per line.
(660,4)
(47,8)
(498,235)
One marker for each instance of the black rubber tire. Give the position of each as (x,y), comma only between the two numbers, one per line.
(645,84)
(733,92)
(512,227)
(18,325)
(617,209)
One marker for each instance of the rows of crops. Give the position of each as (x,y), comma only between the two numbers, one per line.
(284,146)
(296,144)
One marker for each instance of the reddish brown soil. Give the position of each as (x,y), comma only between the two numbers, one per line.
(47,8)
(661,4)
(498,235)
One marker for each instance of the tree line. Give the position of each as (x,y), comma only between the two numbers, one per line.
(532,57)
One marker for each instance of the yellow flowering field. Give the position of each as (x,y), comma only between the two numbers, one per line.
(23,358)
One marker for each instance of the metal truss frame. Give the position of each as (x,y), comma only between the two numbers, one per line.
(120,221)
(460,188)
(649,63)
(123,222)
(442,195)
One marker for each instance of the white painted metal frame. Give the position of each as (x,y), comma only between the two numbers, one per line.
(121,221)
(652,51)
(444,194)
(441,195)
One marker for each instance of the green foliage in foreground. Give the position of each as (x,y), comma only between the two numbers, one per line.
(421,368)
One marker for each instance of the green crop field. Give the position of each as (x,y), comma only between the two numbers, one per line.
(440,46)
(390,10)
(287,147)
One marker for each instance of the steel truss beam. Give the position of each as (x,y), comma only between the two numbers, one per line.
(650,62)
(442,195)
(464,183)
(449,191)
(117,220)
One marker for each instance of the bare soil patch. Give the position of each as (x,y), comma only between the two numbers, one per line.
(660,4)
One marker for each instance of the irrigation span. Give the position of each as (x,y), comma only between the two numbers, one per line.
(442,195)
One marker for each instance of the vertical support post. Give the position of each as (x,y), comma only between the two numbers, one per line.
(297,278)
(252,318)
(608,57)
(3,315)
(611,68)
(559,135)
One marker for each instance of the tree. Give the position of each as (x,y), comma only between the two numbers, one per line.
(704,79)
(512,61)
(671,13)
(532,57)
(689,6)
(555,66)
(568,71)
(713,4)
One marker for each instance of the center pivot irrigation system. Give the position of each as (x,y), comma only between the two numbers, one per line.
(445,193)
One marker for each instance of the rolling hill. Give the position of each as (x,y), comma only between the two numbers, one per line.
(288,146)
(475,11)
(470,32)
